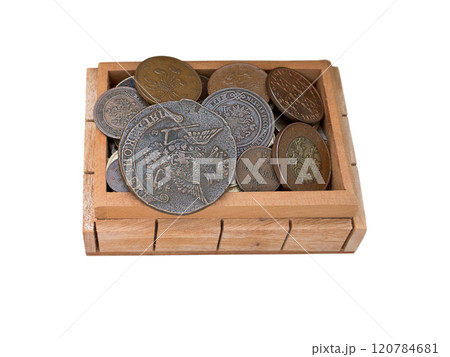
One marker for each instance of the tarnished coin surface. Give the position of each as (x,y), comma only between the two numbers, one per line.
(239,75)
(114,177)
(254,171)
(127,82)
(177,157)
(301,158)
(248,115)
(204,94)
(115,108)
(162,79)
(294,95)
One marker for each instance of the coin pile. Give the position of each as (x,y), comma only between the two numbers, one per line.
(179,140)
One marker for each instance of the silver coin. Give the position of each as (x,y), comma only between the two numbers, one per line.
(248,115)
(115,108)
(114,177)
(177,157)
(127,82)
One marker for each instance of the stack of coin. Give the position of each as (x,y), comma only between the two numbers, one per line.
(185,137)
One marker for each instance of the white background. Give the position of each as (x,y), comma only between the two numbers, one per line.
(395,289)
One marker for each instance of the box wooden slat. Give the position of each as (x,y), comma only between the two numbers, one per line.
(317,235)
(187,235)
(126,235)
(263,234)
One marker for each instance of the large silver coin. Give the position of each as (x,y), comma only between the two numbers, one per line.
(248,115)
(177,157)
(115,108)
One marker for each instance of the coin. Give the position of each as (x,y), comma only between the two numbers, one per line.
(204,94)
(234,189)
(161,79)
(248,115)
(177,157)
(114,177)
(115,108)
(254,171)
(127,82)
(294,95)
(272,140)
(239,75)
(301,158)
(114,156)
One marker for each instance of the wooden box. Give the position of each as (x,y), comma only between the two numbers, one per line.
(330,221)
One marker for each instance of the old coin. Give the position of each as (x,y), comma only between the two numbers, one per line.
(301,158)
(254,171)
(239,75)
(114,156)
(234,189)
(294,95)
(115,108)
(114,177)
(161,79)
(204,94)
(127,82)
(248,115)
(177,157)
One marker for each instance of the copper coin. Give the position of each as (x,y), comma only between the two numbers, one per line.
(115,108)
(127,82)
(204,94)
(177,157)
(239,75)
(294,95)
(161,79)
(301,158)
(114,177)
(254,171)
(248,115)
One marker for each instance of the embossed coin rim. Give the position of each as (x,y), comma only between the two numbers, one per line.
(279,150)
(127,131)
(281,108)
(99,118)
(147,96)
(256,69)
(253,148)
(271,127)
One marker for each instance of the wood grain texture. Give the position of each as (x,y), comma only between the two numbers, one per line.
(126,235)
(89,134)
(264,234)
(90,244)
(187,235)
(91,92)
(347,134)
(310,235)
(359,220)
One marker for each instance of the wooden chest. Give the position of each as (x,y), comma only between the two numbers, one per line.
(330,221)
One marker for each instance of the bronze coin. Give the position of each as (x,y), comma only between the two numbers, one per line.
(294,95)
(239,75)
(248,115)
(161,79)
(177,157)
(115,108)
(254,171)
(301,158)
(114,177)
(204,94)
